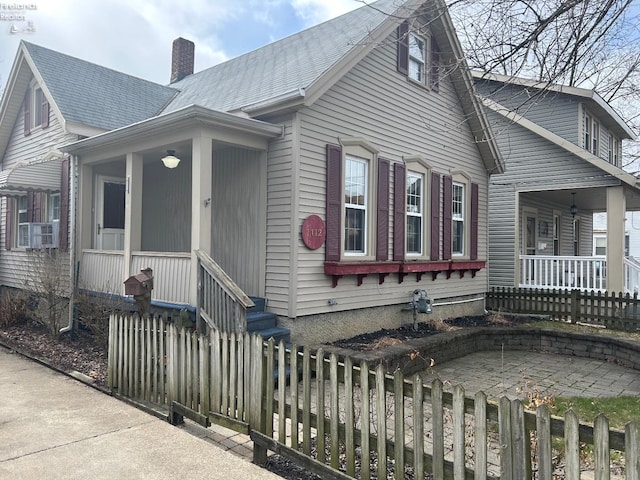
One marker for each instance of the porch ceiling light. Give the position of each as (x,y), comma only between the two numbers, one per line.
(170,160)
(573,209)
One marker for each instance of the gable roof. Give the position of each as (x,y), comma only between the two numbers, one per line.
(285,68)
(87,98)
(566,145)
(598,104)
(296,70)
(89,94)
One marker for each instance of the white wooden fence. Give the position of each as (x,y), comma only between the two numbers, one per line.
(358,421)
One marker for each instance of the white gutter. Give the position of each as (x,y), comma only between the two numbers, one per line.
(73,168)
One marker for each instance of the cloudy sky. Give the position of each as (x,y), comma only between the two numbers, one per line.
(135,36)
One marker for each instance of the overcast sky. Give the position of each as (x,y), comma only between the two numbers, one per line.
(135,36)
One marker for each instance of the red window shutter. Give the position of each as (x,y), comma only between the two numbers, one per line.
(8,238)
(63,235)
(403,48)
(382,227)
(447,187)
(399,208)
(45,112)
(435,217)
(37,207)
(30,206)
(473,254)
(334,203)
(27,113)
(434,81)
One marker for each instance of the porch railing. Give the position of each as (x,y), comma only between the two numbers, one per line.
(102,271)
(631,275)
(171,272)
(551,271)
(222,304)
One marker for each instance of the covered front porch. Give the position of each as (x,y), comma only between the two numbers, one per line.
(133,212)
(557,249)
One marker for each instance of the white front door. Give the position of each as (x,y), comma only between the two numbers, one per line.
(109,229)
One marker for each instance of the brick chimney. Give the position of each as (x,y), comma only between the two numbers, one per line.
(182,59)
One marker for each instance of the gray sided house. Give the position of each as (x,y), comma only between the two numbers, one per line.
(562,150)
(332,173)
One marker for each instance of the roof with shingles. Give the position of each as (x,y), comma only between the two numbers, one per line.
(284,66)
(97,96)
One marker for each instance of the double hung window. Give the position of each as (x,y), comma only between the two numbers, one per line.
(356,205)
(415,213)
(417,58)
(458,218)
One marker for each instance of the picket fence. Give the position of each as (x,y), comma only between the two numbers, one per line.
(607,309)
(343,420)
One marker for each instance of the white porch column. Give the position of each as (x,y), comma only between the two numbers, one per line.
(201,174)
(132,211)
(616,207)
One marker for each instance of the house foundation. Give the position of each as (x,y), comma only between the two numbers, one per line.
(330,327)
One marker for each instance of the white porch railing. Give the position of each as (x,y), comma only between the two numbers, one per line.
(103,271)
(631,275)
(550,271)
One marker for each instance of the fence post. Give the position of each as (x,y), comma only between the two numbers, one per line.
(257,389)
(506,449)
(632,460)
(575,306)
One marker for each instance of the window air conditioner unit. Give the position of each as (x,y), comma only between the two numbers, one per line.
(43,235)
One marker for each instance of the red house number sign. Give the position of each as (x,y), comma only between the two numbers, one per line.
(313,232)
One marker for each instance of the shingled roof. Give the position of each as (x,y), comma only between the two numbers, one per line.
(285,67)
(97,96)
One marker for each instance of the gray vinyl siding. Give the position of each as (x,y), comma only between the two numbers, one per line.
(166,199)
(555,169)
(556,112)
(279,230)
(237,216)
(14,264)
(401,119)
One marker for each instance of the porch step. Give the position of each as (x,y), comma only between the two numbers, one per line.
(257,321)
(278,333)
(260,303)
(265,323)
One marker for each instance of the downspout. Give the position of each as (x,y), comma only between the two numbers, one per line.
(73,280)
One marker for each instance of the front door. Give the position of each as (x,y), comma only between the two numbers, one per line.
(109,229)
(530,240)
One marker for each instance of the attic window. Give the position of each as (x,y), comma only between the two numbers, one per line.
(36,110)
(418,57)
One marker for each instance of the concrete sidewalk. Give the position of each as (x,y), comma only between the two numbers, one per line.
(54,427)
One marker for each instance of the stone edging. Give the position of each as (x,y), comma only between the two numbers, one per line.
(415,355)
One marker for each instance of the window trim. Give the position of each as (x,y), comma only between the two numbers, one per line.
(417,165)
(360,148)
(556,232)
(458,218)
(431,55)
(22,223)
(462,179)
(590,132)
(424,62)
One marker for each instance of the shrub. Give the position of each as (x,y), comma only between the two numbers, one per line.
(14,307)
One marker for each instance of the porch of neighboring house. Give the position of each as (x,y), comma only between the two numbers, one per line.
(204,216)
(557,249)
